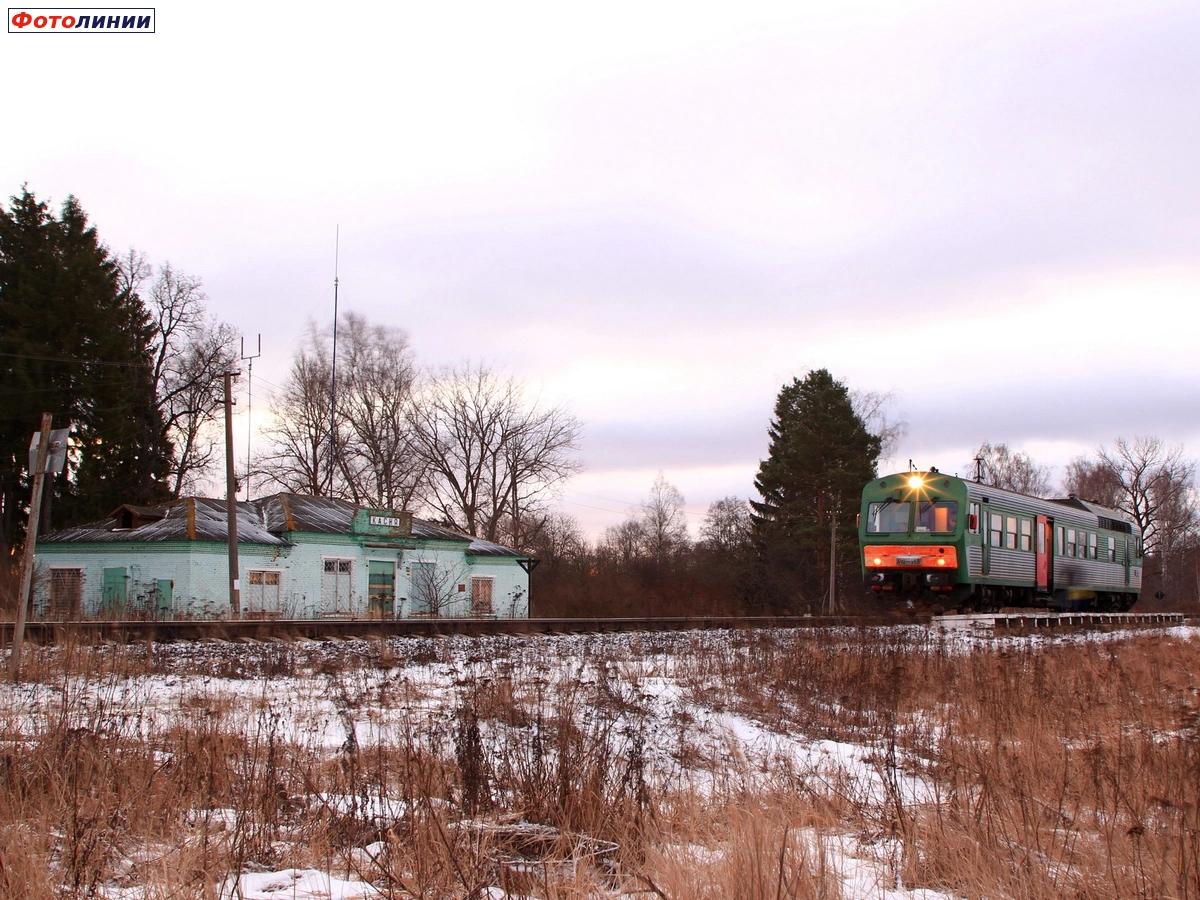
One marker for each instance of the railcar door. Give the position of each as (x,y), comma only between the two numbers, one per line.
(1044,550)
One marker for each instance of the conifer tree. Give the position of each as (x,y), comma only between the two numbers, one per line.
(75,344)
(820,456)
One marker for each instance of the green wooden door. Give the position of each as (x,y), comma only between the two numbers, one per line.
(115,582)
(381,587)
(166,588)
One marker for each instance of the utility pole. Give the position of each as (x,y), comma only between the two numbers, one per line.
(235,603)
(249,405)
(27,560)
(832,564)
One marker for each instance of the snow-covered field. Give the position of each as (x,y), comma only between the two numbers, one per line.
(787,763)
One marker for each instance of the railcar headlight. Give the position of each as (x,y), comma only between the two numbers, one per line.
(916,482)
(941,560)
(878,561)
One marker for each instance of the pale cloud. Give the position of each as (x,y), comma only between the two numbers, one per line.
(658,214)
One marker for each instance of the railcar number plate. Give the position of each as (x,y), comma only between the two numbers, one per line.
(908,560)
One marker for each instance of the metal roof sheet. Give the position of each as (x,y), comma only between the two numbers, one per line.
(266,520)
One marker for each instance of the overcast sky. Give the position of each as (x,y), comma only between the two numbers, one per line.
(658,213)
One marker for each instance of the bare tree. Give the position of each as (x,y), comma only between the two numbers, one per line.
(1156,489)
(624,544)
(727,526)
(490,454)
(873,408)
(380,464)
(191,351)
(1093,480)
(297,458)
(1012,471)
(664,524)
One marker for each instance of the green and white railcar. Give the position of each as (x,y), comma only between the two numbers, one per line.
(960,543)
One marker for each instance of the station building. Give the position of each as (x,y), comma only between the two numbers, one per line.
(299,557)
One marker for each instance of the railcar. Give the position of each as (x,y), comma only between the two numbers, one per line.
(949,542)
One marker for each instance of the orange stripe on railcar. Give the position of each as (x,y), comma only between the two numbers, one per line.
(919,556)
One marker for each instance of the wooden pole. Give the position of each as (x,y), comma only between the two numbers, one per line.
(28,559)
(235,602)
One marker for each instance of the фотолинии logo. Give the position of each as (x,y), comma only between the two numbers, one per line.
(42,20)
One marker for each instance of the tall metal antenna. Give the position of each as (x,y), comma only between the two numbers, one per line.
(249,407)
(333,368)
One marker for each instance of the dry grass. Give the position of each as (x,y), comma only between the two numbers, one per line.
(557,768)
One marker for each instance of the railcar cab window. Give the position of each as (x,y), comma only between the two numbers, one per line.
(939,516)
(887,516)
(975,521)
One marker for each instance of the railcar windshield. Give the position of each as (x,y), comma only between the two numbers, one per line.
(887,516)
(939,516)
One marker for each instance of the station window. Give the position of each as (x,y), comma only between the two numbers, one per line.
(1070,548)
(1010,533)
(1026,535)
(1112,550)
(1091,545)
(996,530)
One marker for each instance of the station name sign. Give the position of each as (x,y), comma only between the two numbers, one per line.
(391,523)
(386,521)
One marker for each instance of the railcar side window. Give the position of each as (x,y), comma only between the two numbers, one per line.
(1112,550)
(938,516)
(1026,534)
(1091,545)
(887,516)
(1010,533)
(1070,542)
(996,530)
(1059,549)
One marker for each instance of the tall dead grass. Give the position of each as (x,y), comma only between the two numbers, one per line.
(1013,770)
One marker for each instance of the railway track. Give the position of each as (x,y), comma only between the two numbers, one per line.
(98,630)
(169,630)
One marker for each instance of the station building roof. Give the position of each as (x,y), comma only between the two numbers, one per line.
(266,520)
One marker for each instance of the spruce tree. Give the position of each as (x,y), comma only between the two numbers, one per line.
(75,344)
(820,456)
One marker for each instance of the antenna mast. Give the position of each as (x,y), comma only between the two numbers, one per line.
(249,406)
(333,367)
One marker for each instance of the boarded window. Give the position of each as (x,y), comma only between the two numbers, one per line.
(481,596)
(262,593)
(335,586)
(66,592)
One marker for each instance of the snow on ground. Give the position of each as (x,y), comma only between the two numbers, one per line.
(326,696)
